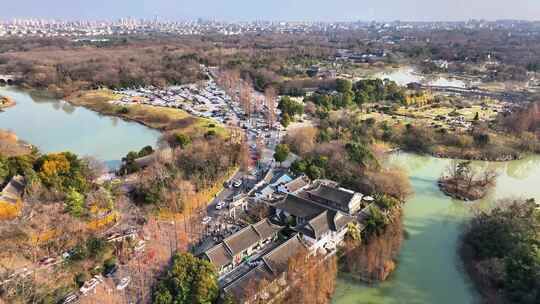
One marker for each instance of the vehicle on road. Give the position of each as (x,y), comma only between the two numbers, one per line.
(124,282)
(206,220)
(237,183)
(254,263)
(89,286)
(66,255)
(220,205)
(70,298)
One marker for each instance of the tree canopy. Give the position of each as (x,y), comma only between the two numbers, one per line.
(282,152)
(504,245)
(189,280)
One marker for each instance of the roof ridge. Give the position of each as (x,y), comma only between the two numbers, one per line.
(231,236)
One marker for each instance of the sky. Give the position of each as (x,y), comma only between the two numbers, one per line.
(289,10)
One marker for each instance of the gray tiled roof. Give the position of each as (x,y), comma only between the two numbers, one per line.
(240,288)
(340,220)
(250,235)
(298,206)
(324,222)
(297,183)
(13,190)
(218,255)
(15,186)
(278,259)
(320,224)
(242,240)
(336,195)
(265,229)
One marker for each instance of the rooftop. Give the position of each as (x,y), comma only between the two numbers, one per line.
(297,183)
(333,194)
(277,260)
(218,255)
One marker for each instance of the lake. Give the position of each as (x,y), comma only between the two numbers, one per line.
(428,266)
(55,125)
(405,75)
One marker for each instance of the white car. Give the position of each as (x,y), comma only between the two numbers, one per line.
(237,183)
(124,282)
(70,298)
(206,220)
(220,205)
(89,285)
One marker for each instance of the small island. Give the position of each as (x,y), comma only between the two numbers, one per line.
(463,182)
(6,102)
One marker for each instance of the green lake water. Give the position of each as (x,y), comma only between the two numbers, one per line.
(429,270)
(54,125)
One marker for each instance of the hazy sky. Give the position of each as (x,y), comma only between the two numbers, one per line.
(235,10)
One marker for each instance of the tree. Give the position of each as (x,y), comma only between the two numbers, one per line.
(75,203)
(343,86)
(282,153)
(286,120)
(270,97)
(302,140)
(361,155)
(189,280)
(291,107)
(502,248)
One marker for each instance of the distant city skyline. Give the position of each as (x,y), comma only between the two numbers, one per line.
(275,10)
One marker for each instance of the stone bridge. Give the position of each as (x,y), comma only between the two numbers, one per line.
(7,79)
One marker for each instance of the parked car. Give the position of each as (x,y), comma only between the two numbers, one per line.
(253,263)
(66,255)
(124,282)
(237,183)
(206,220)
(70,298)
(220,205)
(89,285)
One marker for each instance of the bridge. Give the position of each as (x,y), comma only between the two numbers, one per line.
(7,79)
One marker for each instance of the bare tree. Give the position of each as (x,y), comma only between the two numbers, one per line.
(270,98)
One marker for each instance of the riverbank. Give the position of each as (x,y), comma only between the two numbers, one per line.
(373,258)
(55,125)
(10,145)
(160,118)
(472,266)
(499,252)
(473,155)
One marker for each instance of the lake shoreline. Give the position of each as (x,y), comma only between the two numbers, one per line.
(473,194)
(71,127)
(77,101)
(488,294)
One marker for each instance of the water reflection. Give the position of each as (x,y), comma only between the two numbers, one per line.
(67,107)
(522,169)
(55,125)
(428,269)
(406,75)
